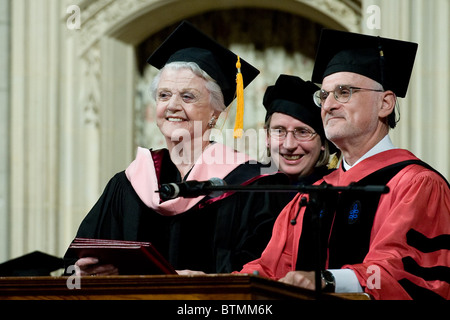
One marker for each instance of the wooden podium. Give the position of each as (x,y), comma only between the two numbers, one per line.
(166,287)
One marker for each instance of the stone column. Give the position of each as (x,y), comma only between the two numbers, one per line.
(5,43)
(34,126)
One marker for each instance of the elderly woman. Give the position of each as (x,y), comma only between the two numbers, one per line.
(296,139)
(208,233)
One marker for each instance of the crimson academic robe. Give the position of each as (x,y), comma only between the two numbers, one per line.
(408,238)
(214,234)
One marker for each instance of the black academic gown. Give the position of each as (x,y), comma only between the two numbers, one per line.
(215,236)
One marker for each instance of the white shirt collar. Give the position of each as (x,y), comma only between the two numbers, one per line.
(384,145)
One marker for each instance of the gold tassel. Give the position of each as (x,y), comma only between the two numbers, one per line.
(333,162)
(239,121)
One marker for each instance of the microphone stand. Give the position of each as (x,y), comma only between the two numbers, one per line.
(316,202)
(323,188)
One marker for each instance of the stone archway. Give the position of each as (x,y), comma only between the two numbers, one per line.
(132,21)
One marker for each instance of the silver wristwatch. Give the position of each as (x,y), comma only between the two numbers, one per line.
(330,282)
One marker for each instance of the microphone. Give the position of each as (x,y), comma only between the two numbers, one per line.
(191,189)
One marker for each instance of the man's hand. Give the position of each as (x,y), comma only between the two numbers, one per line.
(301,279)
(91,267)
(190,273)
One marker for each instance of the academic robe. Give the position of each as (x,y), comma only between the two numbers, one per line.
(214,234)
(406,242)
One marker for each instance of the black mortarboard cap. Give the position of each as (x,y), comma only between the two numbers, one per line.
(387,61)
(293,96)
(189,44)
(32,264)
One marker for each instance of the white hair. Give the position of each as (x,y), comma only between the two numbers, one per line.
(216,95)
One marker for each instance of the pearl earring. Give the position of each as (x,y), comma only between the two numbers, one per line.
(212,122)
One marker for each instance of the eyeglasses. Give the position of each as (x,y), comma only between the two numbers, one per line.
(342,94)
(300,134)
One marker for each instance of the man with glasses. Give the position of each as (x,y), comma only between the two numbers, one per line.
(394,245)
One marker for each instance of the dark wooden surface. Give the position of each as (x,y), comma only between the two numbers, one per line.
(165,287)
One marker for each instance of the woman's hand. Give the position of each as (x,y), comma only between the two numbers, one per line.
(90,267)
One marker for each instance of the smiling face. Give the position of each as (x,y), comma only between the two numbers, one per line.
(357,125)
(293,157)
(182,104)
